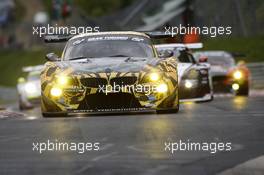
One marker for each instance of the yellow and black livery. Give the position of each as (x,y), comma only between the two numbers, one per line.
(109,72)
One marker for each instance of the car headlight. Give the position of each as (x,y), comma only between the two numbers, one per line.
(238,75)
(235,86)
(62,80)
(188,84)
(30,88)
(154,76)
(56,92)
(162,88)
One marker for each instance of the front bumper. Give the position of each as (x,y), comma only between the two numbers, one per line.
(112,102)
(113,92)
(30,102)
(224,83)
(199,91)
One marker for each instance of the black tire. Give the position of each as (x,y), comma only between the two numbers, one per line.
(168,111)
(54,115)
(21,106)
(243,91)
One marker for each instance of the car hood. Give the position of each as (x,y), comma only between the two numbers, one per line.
(113,64)
(218,70)
(182,67)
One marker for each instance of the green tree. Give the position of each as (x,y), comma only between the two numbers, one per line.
(102,7)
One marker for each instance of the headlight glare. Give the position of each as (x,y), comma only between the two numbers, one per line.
(162,88)
(235,86)
(154,76)
(238,75)
(30,88)
(62,80)
(56,92)
(188,84)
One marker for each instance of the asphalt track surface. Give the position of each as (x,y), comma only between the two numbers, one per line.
(134,144)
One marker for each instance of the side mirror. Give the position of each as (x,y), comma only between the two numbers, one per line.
(165,53)
(52,57)
(203,59)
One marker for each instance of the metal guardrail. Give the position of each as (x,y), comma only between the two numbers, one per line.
(257,75)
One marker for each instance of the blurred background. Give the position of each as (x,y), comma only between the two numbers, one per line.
(19,48)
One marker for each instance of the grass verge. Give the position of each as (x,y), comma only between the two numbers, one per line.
(251,47)
(12,61)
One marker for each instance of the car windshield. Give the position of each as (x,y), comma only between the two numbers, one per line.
(33,76)
(217,58)
(108,46)
(183,56)
(221,61)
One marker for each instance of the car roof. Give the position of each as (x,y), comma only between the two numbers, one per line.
(214,53)
(33,73)
(111,33)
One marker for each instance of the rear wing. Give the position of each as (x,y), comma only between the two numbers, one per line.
(174,46)
(32,68)
(57,38)
(157,35)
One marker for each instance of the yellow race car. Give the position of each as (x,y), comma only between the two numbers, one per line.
(109,72)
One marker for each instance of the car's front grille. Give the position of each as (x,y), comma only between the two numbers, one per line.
(93,82)
(219,79)
(121,81)
(109,101)
(220,84)
(99,82)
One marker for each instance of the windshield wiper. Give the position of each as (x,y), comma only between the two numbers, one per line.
(128,59)
(79,58)
(118,56)
(125,56)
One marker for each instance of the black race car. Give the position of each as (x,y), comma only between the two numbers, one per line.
(226,74)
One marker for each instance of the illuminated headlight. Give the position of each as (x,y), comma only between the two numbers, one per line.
(56,92)
(235,86)
(162,88)
(62,80)
(188,84)
(31,88)
(154,77)
(237,75)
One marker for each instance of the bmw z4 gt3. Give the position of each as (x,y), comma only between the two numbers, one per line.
(109,72)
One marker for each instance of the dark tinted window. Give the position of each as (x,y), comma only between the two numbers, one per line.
(109,45)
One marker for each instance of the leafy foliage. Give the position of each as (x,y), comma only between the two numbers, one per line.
(102,7)
(252,47)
